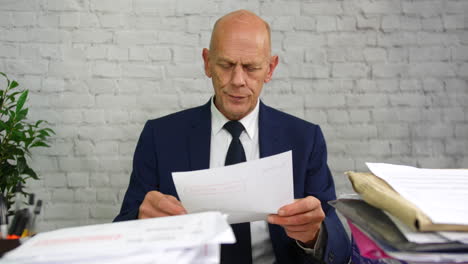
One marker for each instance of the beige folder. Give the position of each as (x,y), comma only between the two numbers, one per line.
(378,193)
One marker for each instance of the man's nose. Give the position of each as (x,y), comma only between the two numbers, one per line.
(238,76)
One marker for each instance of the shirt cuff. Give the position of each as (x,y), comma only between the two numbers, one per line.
(317,251)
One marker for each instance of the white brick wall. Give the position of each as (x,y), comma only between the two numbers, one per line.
(386,80)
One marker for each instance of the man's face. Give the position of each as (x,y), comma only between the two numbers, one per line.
(239,63)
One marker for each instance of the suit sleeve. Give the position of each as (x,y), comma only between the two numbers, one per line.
(319,183)
(144,177)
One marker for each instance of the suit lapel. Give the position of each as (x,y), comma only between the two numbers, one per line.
(199,139)
(269,132)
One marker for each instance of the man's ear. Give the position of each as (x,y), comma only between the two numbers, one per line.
(206,61)
(271,68)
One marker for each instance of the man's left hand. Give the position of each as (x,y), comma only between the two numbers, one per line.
(300,219)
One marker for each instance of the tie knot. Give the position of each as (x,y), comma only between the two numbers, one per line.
(235,128)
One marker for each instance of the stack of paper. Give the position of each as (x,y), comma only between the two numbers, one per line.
(410,214)
(192,238)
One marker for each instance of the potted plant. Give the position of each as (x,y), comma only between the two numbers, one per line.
(17,137)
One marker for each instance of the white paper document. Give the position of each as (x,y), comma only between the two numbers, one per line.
(246,192)
(442,194)
(176,239)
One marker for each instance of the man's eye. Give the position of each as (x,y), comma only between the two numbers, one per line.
(251,69)
(225,66)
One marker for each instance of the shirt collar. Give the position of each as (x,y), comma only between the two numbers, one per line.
(250,121)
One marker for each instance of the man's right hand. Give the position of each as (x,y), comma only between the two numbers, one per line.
(157,204)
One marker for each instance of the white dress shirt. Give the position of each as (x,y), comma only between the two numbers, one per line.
(262,249)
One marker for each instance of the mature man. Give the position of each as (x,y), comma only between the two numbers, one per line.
(235,126)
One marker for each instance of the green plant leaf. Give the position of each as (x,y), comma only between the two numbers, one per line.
(39,144)
(21,101)
(13,84)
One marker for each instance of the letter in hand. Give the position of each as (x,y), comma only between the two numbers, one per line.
(157,204)
(301,219)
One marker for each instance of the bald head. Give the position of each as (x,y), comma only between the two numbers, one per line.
(243,21)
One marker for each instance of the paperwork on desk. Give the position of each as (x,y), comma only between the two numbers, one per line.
(246,192)
(442,194)
(192,238)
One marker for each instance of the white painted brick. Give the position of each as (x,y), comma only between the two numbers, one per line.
(117,53)
(344,70)
(304,23)
(367,100)
(368,22)
(432,24)
(106,195)
(435,38)
(205,7)
(55,180)
(346,39)
(309,71)
(111,20)
(302,39)
(399,38)
(316,56)
(422,8)
(154,7)
(463,70)
(70,100)
(141,71)
(131,38)
(456,85)
(94,36)
(282,23)
(6,19)
(111,5)
(65,211)
(324,101)
(390,23)
(26,66)
(24,19)
(337,116)
(398,54)
(432,69)
(63,195)
(178,37)
(410,23)
(115,101)
(106,212)
(461,131)
(164,54)
(392,131)
(454,22)
(346,23)
(96,52)
(359,116)
(184,70)
(98,179)
(429,54)
(460,53)
(389,70)
(89,20)
(9,50)
(375,54)
(65,5)
(78,179)
(70,20)
(94,116)
(321,8)
(18,5)
(280,8)
(85,195)
(326,23)
(106,69)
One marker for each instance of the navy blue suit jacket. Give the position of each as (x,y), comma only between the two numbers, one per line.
(181,142)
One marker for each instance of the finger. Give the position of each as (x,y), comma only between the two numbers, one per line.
(301,228)
(172,198)
(168,206)
(299,206)
(310,217)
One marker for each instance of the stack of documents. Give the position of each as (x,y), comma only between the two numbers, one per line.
(409,214)
(192,238)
